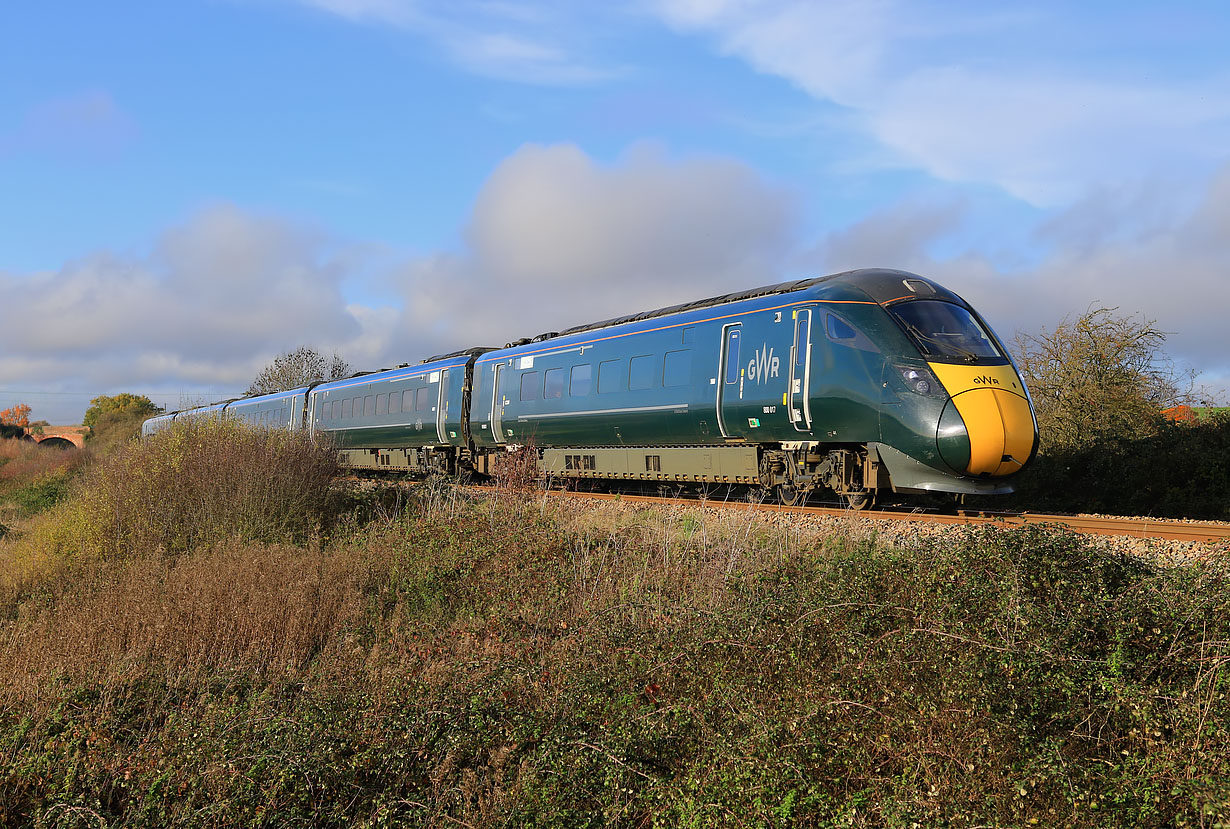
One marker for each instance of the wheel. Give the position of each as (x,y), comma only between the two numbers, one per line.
(859,500)
(790,495)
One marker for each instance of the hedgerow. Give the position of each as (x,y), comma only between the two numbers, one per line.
(485,663)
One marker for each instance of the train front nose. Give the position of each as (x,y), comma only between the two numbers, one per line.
(987,427)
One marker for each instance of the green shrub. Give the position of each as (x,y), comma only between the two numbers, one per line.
(1182,471)
(42,494)
(195,485)
(491,664)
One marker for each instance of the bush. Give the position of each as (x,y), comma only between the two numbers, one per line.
(196,485)
(113,429)
(490,664)
(1182,471)
(42,494)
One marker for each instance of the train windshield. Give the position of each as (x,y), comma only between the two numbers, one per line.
(946,331)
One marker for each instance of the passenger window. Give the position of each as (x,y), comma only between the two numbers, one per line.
(610,376)
(529,385)
(422,398)
(553,383)
(844,333)
(677,368)
(407,400)
(579,381)
(369,406)
(345,409)
(394,403)
(642,372)
(382,404)
(839,329)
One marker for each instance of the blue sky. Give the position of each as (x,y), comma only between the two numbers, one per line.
(189,188)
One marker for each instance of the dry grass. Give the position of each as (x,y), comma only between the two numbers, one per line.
(260,612)
(499,663)
(187,488)
(23,461)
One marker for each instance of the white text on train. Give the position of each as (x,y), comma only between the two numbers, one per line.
(763,366)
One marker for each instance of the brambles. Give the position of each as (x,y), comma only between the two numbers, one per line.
(497,664)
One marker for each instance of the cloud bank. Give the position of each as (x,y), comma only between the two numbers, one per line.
(206,307)
(557,239)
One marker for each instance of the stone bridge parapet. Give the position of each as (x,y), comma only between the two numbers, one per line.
(58,435)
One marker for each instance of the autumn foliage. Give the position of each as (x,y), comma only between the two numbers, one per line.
(19,415)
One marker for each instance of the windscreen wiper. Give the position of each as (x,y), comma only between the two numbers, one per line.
(966,354)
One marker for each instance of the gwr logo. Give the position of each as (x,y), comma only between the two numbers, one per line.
(985,381)
(763,366)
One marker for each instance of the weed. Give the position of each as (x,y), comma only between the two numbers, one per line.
(448,661)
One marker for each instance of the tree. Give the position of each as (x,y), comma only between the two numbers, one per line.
(298,368)
(1101,376)
(19,415)
(125,405)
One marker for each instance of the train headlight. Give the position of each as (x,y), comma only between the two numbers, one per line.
(921,381)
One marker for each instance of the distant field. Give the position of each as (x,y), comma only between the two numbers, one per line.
(370,658)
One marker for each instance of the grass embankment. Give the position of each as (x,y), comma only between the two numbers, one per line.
(455,662)
(33,479)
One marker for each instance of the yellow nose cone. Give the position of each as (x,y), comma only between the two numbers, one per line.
(1000,424)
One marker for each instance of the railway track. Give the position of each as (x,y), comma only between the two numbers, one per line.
(1170,530)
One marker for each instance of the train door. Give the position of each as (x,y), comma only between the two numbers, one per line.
(442,407)
(497,405)
(730,381)
(800,371)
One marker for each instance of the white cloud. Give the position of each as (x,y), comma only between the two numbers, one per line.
(557,240)
(523,42)
(1176,272)
(951,90)
(214,301)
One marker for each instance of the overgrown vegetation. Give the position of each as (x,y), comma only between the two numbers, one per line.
(1182,470)
(183,489)
(1100,384)
(452,661)
(34,478)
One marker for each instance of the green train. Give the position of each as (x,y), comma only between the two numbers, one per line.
(861,383)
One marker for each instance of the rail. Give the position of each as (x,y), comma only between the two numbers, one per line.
(1167,529)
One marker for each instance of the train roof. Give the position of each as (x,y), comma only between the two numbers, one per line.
(882,285)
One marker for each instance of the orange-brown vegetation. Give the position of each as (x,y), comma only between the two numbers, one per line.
(18,415)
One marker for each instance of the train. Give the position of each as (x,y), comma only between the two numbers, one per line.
(861,383)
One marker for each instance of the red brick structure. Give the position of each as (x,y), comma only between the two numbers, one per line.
(62,436)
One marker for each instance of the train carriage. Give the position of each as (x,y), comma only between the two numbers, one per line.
(824,382)
(280,410)
(411,418)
